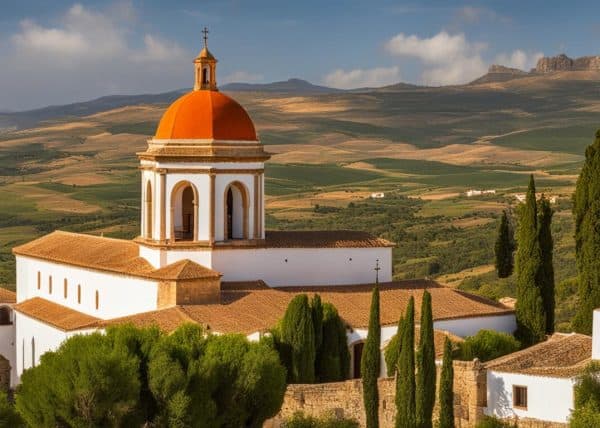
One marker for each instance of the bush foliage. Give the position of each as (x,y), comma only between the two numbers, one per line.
(487,345)
(299,420)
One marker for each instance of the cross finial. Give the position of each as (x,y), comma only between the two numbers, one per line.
(205,37)
(377,269)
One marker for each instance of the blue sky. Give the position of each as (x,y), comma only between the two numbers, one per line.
(65,51)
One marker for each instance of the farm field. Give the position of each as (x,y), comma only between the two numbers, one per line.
(422,147)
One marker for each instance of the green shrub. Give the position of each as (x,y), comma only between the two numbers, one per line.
(300,420)
(492,422)
(585,417)
(487,345)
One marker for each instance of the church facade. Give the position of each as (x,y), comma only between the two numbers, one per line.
(203,254)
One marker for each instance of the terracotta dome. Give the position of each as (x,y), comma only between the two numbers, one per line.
(206,115)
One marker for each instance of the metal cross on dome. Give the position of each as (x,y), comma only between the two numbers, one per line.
(205,37)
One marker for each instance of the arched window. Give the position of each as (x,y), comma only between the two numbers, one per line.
(236,211)
(149,209)
(32,352)
(50,284)
(78,293)
(205,75)
(97,300)
(184,212)
(65,287)
(5,315)
(39,282)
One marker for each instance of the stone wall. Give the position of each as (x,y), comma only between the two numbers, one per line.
(344,399)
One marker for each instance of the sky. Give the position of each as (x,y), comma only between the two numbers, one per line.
(63,51)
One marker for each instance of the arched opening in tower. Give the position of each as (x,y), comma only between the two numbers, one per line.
(235,212)
(184,212)
(187,214)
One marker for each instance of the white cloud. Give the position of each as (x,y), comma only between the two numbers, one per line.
(519,59)
(85,54)
(450,59)
(242,77)
(360,78)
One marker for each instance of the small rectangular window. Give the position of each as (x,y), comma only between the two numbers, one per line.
(65,286)
(520,397)
(97,300)
(78,293)
(39,284)
(50,284)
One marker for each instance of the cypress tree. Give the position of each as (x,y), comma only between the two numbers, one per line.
(405,378)
(504,248)
(531,320)
(425,395)
(297,332)
(333,357)
(371,364)
(546,279)
(316,308)
(446,397)
(392,352)
(586,211)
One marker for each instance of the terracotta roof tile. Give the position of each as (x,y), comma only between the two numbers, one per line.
(56,315)
(255,308)
(106,254)
(562,355)
(323,239)
(7,296)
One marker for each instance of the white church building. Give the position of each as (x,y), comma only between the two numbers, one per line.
(203,254)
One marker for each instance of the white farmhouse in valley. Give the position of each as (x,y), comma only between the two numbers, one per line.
(203,254)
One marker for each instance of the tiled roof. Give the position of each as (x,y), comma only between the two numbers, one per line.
(562,355)
(59,316)
(323,239)
(106,254)
(253,307)
(7,296)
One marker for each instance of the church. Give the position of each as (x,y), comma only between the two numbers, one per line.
(203,254)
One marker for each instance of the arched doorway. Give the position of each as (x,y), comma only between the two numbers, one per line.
(184,212)
(149,208)
(236,212)
(357,350)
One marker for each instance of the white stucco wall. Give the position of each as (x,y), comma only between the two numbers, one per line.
(464,327)
(119,295)
(7,345)
(548,399)
(304,266)
(43,337)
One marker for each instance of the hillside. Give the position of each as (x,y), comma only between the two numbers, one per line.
(422,147)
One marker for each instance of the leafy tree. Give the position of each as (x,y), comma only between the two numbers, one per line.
(333,359)
(300,420)
(487,345)
(446,393)
(546,278)
(371,364)
(426,370)
(587,398)
(8,414)
(86,382)
(504,248)
(586,210)
(297,331)
(392,351)
(531,319)
(405,379)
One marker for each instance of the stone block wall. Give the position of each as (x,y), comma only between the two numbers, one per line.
(344,399)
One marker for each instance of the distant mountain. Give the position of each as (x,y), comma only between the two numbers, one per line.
(500,73)
(564,63)
(296,86)
(29,118)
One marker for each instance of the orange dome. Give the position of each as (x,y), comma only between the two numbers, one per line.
(206,115)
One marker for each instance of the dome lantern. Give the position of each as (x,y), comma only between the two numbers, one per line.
(205,68)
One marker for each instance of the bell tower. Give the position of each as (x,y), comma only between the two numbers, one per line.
(205,66)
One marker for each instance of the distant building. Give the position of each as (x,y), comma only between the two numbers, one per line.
(520,197)
(474,192)
(378,195)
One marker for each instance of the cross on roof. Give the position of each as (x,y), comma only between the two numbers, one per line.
(205,36)
(377,269)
